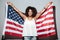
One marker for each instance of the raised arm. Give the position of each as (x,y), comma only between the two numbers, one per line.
(41,12)
(19,12)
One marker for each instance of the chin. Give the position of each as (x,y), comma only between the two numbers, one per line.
(30,16)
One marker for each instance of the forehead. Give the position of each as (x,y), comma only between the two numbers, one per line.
(30,10)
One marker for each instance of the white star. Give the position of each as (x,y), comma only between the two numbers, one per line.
(11,12)
(17,18)
(9,16)
(9,9)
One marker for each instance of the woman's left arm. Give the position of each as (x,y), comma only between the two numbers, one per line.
(41,12)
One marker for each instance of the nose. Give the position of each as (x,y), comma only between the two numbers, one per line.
(30,11)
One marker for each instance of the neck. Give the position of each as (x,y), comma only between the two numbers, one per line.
(29,18)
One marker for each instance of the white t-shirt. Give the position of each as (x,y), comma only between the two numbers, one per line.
(29,28)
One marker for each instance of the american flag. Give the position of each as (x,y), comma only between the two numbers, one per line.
(14,23)
(45,23)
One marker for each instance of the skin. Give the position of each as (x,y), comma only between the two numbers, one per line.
(30,11)
(30,14)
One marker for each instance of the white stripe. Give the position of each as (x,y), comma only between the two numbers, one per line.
(47,21)
(50,10)
(46,32)
(41,19)
(50,15)
(47,16)
(13,31)
(14,22)
(12,26)
(45,27)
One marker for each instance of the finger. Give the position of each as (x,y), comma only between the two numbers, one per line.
(8,2)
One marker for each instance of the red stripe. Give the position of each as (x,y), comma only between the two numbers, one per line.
(39,22)
(42,16)
(47,29)
(46,24)
(12,23)
(13,34)
(52,33)
(38,27)
(50,18)
(46,35)
(8,27)
(50,8)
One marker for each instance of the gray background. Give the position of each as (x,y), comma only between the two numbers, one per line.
(22,4)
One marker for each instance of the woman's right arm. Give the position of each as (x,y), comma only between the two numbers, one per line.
(20,13)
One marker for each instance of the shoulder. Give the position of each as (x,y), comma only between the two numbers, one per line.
(35,18)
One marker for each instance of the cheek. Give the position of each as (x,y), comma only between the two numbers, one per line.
(30,13)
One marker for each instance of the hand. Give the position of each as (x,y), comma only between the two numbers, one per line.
(9,3)
(48,4)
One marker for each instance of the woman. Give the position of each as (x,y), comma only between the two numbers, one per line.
(29,29)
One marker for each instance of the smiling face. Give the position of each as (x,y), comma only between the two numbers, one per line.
(30,13)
